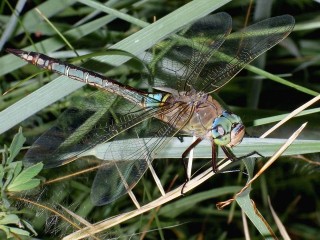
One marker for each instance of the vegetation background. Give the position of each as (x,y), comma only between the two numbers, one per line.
(292,183)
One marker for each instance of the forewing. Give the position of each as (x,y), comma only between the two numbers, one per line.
(178,60)
(240,48)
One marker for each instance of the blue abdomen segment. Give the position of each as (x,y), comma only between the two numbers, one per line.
(89,77)
(154,100)
(63,68)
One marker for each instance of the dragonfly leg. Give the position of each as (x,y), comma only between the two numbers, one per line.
(249,155)
(230,155)
(183,157)
(214,157)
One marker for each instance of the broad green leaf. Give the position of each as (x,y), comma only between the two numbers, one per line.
(10,219)
(5,229)
(19,231)
(24,186)
(24,177)
(17,167)
(11,170)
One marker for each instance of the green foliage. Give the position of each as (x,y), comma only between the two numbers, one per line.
(14,178)
(82,27)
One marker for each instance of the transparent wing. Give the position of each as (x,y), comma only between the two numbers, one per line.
(84,126)
(239,49)
(190,60)
(176,61)
(130,159)
(114,143)
(204,57)
(132,156)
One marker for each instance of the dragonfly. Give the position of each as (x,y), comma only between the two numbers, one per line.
(187,67)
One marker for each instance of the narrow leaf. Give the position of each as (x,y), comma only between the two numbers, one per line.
(16,145)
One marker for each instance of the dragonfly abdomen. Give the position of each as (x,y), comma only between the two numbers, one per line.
(80,74)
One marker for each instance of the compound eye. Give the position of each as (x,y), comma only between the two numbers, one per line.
(220,130)
(220,135)
(227,129)
(237,134)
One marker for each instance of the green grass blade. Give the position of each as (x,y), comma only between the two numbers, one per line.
(175,148)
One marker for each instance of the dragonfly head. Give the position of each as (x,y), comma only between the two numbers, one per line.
(227,129)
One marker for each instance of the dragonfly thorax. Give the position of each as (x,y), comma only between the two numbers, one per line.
(227,129)
(191,112)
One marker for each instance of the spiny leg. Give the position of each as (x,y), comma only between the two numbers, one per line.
(233,158)
(230,155)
